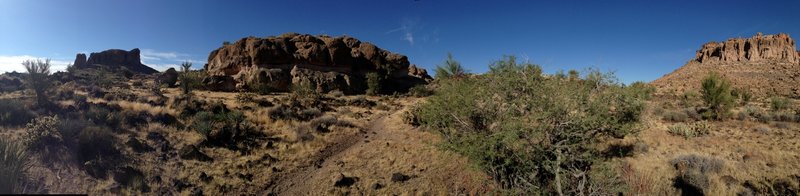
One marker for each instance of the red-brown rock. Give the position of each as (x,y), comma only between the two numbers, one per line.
(330,63)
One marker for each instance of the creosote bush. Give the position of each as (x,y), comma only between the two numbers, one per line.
(533,134)
(716,94)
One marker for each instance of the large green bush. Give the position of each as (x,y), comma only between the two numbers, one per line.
(374,83)
(532,133)
(716,93)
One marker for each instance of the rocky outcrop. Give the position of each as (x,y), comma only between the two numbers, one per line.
(115,57)
(757,48)
(329,63)
(80,60)
(766,65)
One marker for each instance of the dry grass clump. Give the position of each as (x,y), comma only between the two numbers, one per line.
(14,113)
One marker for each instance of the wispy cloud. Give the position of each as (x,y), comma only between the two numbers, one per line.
(161,61)
(407,28)
(14,63)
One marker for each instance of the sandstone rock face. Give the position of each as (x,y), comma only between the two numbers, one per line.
(329,63)
(766,65)
(757,48)
(115,57)
(80,60)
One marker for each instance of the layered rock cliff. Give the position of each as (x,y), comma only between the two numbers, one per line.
(130,60)
(766,65)
(757,48)
(328,63)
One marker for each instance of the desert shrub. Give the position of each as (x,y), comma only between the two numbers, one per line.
(742,94)
(780,103)
(97,151)
(14,113)
(226,128)
(41,132)
(450,69)
(693,173)
(532,134)
(38,81)
(716,94)
(696,129)
(688,98)
(324,123)
(420,91)
(304,89)
(676,116)
(360,101)
(261,89)
(245,97)
(374,83)
(783,116)
(14,161)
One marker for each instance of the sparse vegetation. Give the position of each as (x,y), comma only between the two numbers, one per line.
(14,113)
(531,133)
(780,103)
(14,161)
(716,94)
(695,129)
(38,78)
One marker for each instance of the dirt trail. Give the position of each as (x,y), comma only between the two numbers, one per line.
(369,159)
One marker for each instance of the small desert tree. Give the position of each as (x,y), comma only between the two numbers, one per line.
(38,71)
(186,79)
(373,83)
(450,69)
(716,93)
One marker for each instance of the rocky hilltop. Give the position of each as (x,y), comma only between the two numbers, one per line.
(326,63)
(758,48)
(130,60)
(766,65)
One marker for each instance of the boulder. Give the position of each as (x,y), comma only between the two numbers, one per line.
(169,77)
(329,63)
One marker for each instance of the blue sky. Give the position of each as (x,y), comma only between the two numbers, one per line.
(637,39)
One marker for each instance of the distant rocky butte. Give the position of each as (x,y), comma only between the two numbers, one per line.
(766,65)
(327,63)
(130,60)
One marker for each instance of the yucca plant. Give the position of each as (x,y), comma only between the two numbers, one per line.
(13,163)
(38,73)
(450,69)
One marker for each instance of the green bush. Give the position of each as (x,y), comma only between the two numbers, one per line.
(420,91)
(531,133)
(780,103)
(450,69)
(41,132)
(374,83)
(716,94)
(14,113)
(304,89)
(14,161)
